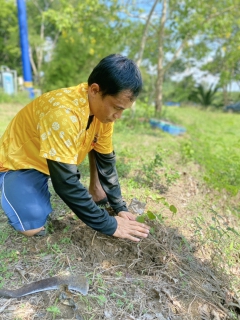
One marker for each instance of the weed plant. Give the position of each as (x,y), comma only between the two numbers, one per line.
(157,171)
(214,234)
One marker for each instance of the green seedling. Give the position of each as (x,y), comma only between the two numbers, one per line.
(54,310)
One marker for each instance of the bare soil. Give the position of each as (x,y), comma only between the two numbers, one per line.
(167,276)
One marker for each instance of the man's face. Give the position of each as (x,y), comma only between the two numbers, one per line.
(109,108)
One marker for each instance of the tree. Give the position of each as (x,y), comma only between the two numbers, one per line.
(89,33)
(226,63)
(40,28)
(9,36)
(184,28)
(144,35)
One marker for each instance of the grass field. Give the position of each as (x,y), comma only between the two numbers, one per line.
(214,139)
(188,268)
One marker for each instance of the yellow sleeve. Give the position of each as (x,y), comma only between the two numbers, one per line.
(60,135)
(104,142)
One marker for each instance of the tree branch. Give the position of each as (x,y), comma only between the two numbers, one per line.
(144,36)
(176,54)
(32,62)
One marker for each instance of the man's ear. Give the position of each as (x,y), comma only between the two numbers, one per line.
(94,89)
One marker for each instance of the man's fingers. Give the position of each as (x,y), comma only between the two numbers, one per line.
(139,233)
(133,238)
(128,229)
(139,226)
(127,215)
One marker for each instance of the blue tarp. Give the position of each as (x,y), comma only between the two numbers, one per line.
(167,127)
(172,104)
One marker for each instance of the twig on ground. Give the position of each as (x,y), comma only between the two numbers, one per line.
(93,237)
(5,305)
(69,263)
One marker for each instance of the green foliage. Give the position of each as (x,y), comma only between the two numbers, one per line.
(101,299)
(9,43)
(3,236)
(62,72)
(225,62)
(221,163)
(54,310)
(84,27)
(21,97)
(178,91)
(214,144)
(85,31)
(6,257)
(124,163)
(151,170)
(221,238)
(66,240)
(55,248)
(149,215)
(204,96)
(147,95)
(157,170)
(187,151)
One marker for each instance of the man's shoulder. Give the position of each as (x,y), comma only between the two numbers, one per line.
(104,127)
(80,89)
(71,98)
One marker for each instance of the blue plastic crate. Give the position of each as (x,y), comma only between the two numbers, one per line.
(167,127)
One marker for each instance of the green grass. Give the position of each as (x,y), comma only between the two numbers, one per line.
(22,97)
(213,141)
(9,106)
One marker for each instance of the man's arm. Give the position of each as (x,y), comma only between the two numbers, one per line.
(108,177)
(65,180)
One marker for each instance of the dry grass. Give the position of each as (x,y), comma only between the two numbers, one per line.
(167,276)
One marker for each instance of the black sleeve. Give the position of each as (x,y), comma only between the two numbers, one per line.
(65,180)
(108,177)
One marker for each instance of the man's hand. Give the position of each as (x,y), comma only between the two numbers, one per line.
(127,215)
(128,228)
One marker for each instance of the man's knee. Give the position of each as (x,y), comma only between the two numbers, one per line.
(30,233)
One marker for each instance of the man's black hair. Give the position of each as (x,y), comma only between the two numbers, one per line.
(116,73)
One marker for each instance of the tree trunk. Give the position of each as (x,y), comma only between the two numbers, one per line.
(33,65)
(225,95)
(142,47)
(160,70)
(144,36)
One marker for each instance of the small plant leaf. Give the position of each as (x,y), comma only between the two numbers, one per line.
(166,204)
(160,217)
(152,231)
(140,219)
(162,199)
(212,228)
(173,209)
(151,215)
(233,230)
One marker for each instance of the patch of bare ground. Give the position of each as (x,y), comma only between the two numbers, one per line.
(169,275)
